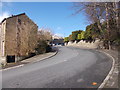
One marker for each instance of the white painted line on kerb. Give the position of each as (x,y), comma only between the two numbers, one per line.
(12,67)
(113,83)
(109,74)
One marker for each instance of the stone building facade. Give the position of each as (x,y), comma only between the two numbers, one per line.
(18,38)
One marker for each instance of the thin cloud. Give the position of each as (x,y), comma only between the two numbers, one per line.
(59,34)
(59,28)
(4,15)
(0,4)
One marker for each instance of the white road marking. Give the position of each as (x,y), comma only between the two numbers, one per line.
(28,61)
(65,60)
(80,80)
(12,67)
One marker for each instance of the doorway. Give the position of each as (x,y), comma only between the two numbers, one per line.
(10,59)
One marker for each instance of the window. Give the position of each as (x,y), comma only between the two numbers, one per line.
(19,21)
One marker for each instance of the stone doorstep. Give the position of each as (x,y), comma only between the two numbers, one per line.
(11,65)
(2,61)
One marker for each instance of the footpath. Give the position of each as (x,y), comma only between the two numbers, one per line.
(30,60)
(113,79)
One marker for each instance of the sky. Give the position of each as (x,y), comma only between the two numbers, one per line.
(54,15)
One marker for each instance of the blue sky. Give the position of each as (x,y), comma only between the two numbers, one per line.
(54,15)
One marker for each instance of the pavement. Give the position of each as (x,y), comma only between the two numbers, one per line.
(114,80)
(70,68)
(33,59)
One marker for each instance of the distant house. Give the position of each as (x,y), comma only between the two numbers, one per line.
(18,36)
(57,40)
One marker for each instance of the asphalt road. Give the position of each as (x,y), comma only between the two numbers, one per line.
(70,68)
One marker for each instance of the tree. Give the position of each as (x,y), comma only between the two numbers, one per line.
(87,34)
(70,37)
(100,12)
(75,34)
(45,34)
(66,39)
(82,35)
(79,37)
(44,38)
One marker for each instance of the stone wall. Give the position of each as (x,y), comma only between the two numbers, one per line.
(10,36)
(19,35)
(84,44)
(0,40)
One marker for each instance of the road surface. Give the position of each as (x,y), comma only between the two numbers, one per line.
(70,68)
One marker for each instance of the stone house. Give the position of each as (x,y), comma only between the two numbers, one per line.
(18,38)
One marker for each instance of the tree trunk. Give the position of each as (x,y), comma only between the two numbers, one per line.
(108,27)
(117,6)
(98,19)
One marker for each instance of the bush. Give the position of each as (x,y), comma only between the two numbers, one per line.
(41,48)
(66,39)
(48,48)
